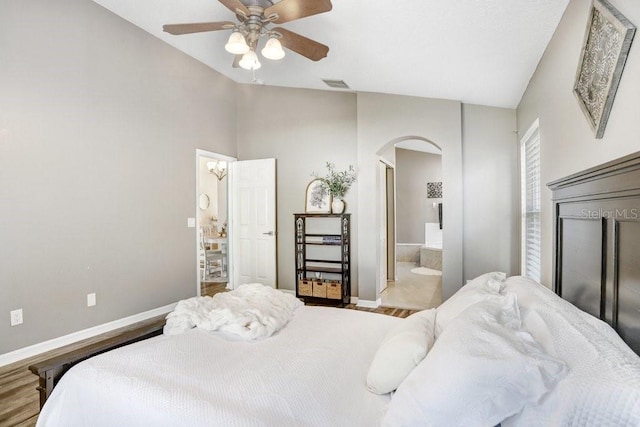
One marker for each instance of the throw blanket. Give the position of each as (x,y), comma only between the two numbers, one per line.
(251,311)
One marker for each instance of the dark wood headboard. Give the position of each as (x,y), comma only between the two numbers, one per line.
(597,243)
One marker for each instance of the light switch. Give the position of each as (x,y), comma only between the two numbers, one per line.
(191,222)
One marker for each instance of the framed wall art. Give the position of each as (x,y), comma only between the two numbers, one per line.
(318,199)
(604,52)
(434,190)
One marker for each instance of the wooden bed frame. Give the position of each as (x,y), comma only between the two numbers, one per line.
(51,370)
(596,262)
(597,243)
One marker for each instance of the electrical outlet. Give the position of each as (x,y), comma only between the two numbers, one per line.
(91,300)
(16,317)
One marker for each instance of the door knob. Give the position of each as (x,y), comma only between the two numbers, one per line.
(268,233)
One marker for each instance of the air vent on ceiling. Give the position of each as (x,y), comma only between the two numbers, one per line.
(338,84)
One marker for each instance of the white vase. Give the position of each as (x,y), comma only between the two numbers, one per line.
(337,206)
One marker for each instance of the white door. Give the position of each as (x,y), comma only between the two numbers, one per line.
(253,221)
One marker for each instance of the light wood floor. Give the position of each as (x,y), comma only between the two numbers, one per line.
(212,288)
(19,405)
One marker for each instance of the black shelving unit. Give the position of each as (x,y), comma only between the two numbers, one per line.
(333,265)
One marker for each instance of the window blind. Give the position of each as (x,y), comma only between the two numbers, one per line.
(531,230)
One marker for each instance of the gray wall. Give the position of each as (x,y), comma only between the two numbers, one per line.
(567,142)
(491,190)
(99,122)
(382,121)
(414,169)
(302,129)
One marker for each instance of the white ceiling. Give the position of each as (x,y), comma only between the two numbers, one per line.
(475,51)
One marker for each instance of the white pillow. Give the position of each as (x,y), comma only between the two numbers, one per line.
(402,349)
(481,370)
(478,289)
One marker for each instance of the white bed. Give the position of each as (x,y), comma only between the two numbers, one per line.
(499,351)
(312,372)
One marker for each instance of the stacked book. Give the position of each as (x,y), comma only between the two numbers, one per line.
(331,239)
(323,239)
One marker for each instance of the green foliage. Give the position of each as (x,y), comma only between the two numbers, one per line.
(337,183)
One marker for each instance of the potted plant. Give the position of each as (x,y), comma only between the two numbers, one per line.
(337,183)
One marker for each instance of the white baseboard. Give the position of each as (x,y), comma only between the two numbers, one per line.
(288,291)
(369,304)
(35,349)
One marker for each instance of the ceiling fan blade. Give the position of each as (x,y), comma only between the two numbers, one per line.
(198,27)
(288,10)
(300,44)
(234,5)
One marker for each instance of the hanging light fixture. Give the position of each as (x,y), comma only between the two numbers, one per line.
(243,41)
(273,49)
(217,168)
(237,44)
(256,20)
(250,61)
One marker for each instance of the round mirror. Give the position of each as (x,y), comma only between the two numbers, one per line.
(203,201)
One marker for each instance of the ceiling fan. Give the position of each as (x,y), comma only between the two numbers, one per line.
(255,17)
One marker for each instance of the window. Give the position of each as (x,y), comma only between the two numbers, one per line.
(530,182)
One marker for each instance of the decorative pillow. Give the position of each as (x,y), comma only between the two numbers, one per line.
(478,289)
(402,349)
(481,370)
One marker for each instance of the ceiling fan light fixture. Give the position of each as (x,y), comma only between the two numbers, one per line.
(273,49)
(237,44)
(254,20)
(250,61)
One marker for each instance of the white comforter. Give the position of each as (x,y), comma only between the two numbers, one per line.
(602,387)
(251,311)
(311,373)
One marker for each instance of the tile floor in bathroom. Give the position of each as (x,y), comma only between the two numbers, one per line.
(411,290)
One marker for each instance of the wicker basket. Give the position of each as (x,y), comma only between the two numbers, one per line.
(334,289)
(305,288)
(319,289)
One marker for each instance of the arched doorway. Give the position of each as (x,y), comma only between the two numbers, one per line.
(370,218)
(411,246)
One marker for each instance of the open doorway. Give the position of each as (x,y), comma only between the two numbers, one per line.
(416,282)
(212,219)
(386,190)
